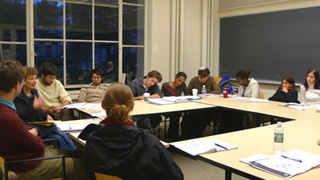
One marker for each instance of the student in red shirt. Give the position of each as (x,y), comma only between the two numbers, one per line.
(19,141)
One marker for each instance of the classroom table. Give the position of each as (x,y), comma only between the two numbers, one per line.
(301,133)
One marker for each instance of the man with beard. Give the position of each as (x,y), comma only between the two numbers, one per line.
(53,93)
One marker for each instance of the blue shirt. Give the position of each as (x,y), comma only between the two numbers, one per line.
(8,103)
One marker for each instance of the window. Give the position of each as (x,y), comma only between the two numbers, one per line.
(76,35)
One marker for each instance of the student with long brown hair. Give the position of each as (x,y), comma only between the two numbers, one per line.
(286,92)
(118,148)
(310,90)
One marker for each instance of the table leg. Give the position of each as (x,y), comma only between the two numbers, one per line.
(228,175)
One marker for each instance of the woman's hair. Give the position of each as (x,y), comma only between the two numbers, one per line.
(31,71)
(290,80)
(118,101)
(317,79)
(243,74)
(181,74)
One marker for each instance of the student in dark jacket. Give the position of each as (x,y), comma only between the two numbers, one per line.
(286,92)
(175,88)
(118,148)
(29,105)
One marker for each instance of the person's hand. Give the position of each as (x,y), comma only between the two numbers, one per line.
(51,109)
(233,93)
(57,109)
(49,118)
(33,131)
(284,89)
(37,103)
(139,98)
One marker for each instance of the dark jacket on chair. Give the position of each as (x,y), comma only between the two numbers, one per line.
(129,153)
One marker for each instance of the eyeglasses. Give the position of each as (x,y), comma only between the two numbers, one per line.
(96,77)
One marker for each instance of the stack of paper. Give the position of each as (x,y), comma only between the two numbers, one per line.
(258,100)
(169,100)
(196,147)
(285,165)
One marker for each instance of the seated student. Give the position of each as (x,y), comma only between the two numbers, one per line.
(19,141)
(148,84)
(248,88)
(310,90)
(94,92)
(53,92)
(28,106)
(286,92)
(175,88)
(195,122)
(118,148)
(204,78)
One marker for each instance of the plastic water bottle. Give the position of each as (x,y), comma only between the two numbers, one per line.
(204,91)
(278,138)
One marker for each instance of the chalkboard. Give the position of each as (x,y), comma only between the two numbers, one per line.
(271,44)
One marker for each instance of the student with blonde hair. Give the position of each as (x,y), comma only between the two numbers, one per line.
(118,148)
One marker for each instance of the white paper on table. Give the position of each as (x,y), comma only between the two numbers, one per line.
(92,106)
(239,98)
(196,147)
(306,157)
(74,106)
(256,157)
(99,114)
(258,100)
(302,107)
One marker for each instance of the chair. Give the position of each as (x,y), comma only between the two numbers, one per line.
(9,175)
(100,176)
(261,96)
(217,79)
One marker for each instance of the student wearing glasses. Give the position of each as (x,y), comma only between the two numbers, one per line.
(248,87)
(286,92)
(310,90)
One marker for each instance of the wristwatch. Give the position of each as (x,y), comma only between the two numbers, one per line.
(38,131)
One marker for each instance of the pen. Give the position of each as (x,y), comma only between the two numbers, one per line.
(297,160)
(220,146)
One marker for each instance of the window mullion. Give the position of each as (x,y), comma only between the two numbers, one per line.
(93,36)
(30,33)
(120,42)
(64,45)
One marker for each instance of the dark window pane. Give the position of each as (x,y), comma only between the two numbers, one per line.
(49,52)
(81,1)
(106,58)
(106,23)
(79,21)
(106,2)
(133,25)
(133,63)
(79,62)
(48,19)
(13,20)
(134,1)
(14,52)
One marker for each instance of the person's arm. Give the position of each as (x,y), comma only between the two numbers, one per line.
(24,111)
(20,135)
(302,94)
(156,92)
(274,97)
(184,89)
(292,97)
(63,95)
(58,108)
(255,90)
(215,89)
(165,89)
(133,88)
(190,87)
(82,95)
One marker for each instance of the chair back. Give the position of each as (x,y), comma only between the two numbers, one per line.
(217,79)
(261,96)
(100,176)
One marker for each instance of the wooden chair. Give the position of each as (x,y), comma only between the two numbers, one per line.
(261,96)
(100,176)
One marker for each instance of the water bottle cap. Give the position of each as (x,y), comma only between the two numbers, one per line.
(279,124)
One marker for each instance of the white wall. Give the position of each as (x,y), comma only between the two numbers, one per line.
(184,34)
